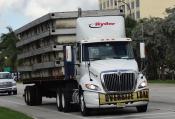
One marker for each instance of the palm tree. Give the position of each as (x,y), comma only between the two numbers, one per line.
(8,55)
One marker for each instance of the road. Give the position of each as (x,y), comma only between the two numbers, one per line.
(161,106)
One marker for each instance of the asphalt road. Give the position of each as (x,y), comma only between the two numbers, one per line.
(161,106)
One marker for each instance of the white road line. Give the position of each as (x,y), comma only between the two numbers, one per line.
(158,117)
(142,115)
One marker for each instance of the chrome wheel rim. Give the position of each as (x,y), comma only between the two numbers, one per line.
(58,100)
(63,102)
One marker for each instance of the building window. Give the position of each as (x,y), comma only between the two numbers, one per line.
(128,6)
(138,14)
(133,15)
(107,4)
(101,6)
(115,2)
(111,2)
(104,5)
(132,5)
(137,3)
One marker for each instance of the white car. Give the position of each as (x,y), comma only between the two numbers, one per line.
(7,83)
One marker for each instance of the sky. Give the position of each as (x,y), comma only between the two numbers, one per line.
(16,13)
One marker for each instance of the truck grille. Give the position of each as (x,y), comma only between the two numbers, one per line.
(5,84)
(120,82)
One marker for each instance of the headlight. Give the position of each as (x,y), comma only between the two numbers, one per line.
(143,84)
(92,87)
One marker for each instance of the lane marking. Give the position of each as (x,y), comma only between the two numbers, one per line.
(157,117)
(140,115)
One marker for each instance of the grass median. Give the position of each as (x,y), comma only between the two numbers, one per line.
(10,114)
(162,81)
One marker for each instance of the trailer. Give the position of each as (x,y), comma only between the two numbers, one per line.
(81,58)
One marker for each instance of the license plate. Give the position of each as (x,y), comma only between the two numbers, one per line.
(121,99)
(120,104)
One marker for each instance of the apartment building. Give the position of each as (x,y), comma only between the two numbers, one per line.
(139,8)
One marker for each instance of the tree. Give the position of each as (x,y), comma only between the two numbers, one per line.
(130,25)
(148,29)
(168,29)
(8,48)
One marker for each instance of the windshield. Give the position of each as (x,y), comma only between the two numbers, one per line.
(5,76)
(107,50)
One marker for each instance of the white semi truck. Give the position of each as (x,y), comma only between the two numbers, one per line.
(81,58)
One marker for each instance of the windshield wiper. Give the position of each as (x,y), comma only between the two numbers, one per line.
(116,57)
(127,57)
(93,59)
(123,57)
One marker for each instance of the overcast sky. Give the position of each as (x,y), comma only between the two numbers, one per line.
(16,13)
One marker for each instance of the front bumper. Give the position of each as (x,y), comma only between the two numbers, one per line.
(8,89)
(99,100)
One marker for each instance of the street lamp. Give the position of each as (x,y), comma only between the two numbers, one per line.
(126,5)
(5,57)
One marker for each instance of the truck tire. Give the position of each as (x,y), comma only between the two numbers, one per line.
(142,108)
(26,99)
(28,95)
(32,96)
(38,96)
(66,99)
(84,110)
(59,99)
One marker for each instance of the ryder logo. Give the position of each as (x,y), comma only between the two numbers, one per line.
(101,24)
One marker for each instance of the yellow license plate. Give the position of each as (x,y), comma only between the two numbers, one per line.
(120,104)
(122,99)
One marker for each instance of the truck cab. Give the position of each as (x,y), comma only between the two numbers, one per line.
(108,74)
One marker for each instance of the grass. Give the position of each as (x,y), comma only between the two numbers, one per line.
(10,114)
(162,81)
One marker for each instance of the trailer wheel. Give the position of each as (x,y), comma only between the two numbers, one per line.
(84,110)
(142,108)
(59,100)
(26,95)
(38,96)
(31,96)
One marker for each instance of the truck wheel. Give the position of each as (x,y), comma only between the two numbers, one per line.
(30,95)
(38,96)
(59,100)
(142,108)
(84,111)
(26,99)
(65,99)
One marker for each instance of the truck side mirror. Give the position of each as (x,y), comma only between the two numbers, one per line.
(68,53)
(142,50)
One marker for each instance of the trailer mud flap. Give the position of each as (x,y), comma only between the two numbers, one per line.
(121,99)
